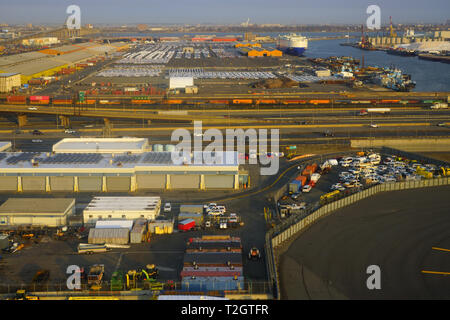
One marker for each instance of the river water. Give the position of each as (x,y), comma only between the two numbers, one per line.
(429,76)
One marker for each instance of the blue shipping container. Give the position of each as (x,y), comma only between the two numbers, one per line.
(212,283)
(294,186)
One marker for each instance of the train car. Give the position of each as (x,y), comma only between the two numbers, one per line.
(41,100)
(16,99)
(62,101)
(413,101)
(266,101)
(172,101)
(87,102)
(390,101)
(142,101)
(218,101)
(319,101)
(242,101)
(294,101)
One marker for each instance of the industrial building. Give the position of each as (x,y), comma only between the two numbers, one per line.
(125,208)
(260,52)
(48,62)
(50,212)
(5,146)
(93,172)
(8,81)
(180,82)
(102,145)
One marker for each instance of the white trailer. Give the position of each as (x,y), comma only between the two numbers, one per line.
(374,110)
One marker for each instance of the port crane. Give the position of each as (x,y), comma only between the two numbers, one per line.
(391,29)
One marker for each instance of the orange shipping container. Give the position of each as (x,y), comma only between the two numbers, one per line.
(174,101)
(319,101)
(303,179)
(266,101)
(306,172)
(242,101)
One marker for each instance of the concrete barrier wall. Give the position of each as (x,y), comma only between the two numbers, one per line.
(412,144)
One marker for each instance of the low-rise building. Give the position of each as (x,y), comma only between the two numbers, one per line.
(8,81)
(125,208)
(45,212)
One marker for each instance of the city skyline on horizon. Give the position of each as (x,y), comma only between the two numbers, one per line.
(232,12)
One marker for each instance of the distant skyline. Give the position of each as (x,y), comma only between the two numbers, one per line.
(223,12)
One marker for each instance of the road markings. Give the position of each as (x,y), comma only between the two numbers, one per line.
(436,272)
(440,249)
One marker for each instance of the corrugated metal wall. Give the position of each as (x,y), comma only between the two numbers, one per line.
(61,183)
(33,183)
(118,183)
(187,181)
(90,183)
(219,181)
(151,181)
(8,183)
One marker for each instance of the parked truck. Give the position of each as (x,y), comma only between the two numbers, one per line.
(439,105)
(95,275)
(367,111)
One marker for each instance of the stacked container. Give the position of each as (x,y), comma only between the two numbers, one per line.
(213,263)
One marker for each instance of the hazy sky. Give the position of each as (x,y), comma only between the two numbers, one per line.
(223,11)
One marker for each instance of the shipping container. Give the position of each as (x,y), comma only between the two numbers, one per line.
(266,101)
(186,225)
(319,101)
(295,186)
(294,101)
(197,217)
(306,172)
(16,99)
(218,101)
(242,101)
(302,179)
(198,284)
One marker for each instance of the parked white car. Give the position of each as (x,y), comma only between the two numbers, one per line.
(167,207)
(306,188)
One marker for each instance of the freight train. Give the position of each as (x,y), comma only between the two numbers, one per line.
(156,100)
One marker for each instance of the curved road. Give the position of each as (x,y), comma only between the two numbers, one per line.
(405,233)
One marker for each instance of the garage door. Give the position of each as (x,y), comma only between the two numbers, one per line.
(21,220)
(8,183)
(151,181)
(187,181)
(61,183)
(118,184)
(89,184)
(219,181)
(33,183)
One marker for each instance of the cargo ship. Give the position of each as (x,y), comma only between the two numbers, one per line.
(293,44)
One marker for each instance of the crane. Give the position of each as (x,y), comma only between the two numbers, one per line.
(391,29)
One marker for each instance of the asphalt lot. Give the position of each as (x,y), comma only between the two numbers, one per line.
(395,231)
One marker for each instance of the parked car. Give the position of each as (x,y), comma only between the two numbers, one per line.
(37,132)
(167,207)
(306,188)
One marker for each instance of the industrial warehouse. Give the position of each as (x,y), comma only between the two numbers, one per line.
(48,62)
(36,212)
(113,172)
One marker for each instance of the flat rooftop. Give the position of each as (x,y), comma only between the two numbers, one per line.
(94,162)
(36,206)
(101,145)
(4,145)
(123,204)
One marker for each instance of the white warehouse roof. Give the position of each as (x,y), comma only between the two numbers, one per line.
(101,145)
